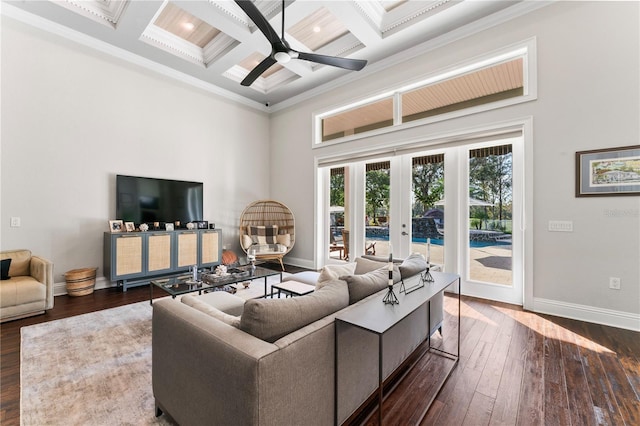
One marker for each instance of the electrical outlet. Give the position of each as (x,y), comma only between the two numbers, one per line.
(15,222)
(614,283)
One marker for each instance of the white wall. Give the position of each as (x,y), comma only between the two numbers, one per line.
(588,98)
(72,119)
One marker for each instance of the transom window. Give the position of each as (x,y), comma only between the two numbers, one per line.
(490,83)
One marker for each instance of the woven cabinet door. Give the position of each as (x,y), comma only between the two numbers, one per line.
(128,255)
(159,252)
(187,243)
(210,247)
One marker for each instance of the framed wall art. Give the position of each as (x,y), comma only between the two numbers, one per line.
(608,172)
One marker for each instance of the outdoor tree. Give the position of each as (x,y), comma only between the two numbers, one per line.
(336,189)
(428,185)
(490,180)
(377,191)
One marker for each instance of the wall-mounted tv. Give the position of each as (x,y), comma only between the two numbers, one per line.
(148,200)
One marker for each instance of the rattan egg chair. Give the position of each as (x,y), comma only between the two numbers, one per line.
(267,213)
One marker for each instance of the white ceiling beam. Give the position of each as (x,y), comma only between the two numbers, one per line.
(361,26)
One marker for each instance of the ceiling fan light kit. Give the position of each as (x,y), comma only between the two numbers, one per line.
(281,52)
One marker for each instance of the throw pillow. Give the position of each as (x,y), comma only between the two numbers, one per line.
(6,263)
(365,265)
(246,241)
(264,234)
(412,265)
(271,319)
(284,239)
(211,311)
(334,272)
(361,286)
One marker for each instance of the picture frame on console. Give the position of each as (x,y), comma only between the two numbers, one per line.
(168,226)
(116,226)
(130,226)
(608,172)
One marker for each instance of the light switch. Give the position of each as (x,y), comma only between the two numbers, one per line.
(561,226)
(15,222)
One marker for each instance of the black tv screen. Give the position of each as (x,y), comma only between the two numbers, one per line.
(148,200)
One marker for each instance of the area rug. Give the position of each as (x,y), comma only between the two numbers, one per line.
(91,369)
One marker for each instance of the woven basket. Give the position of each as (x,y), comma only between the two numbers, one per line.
(80,282)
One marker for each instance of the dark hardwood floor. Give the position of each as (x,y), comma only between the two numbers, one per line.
(516,368)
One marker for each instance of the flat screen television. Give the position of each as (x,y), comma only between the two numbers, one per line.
(148,200)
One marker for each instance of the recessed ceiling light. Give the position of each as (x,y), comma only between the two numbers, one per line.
(188,26)
(317,29)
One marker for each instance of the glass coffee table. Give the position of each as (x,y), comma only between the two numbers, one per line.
(209,281)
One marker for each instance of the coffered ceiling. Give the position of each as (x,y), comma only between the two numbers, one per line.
(214,45)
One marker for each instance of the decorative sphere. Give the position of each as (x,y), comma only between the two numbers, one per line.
(144,227)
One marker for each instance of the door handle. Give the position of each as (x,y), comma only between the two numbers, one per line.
(405,233)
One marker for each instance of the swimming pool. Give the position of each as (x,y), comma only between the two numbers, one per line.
(440,242)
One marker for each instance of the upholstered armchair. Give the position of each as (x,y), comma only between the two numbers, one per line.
(26,287)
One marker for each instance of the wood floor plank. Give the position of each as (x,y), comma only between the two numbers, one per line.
(605,405)
(494,368)
(579,400)
(556,408)
(531,410)
(457,404)
(505,408)
(479,412)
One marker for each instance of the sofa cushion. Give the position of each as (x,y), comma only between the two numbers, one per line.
(284,239)
(259,249)
(334,272)
(21,290)
(221,300)
(412,265)
(4,270)
(206,308)
(361,286)
(20,262)
(365,265)
(306,277)
(271,319)
(262,234)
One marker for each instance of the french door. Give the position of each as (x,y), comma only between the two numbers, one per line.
(461,206)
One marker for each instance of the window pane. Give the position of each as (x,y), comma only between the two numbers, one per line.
(490,209)
(377,197)
(427,207)
(362,119)
(336,213)
(479,87)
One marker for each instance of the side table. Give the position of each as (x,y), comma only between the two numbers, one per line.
(292,288)
(378,318)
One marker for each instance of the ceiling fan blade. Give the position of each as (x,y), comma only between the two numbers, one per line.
(258,70)
(346,63)
(258,18)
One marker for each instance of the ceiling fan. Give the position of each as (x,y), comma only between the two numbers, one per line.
(281,52)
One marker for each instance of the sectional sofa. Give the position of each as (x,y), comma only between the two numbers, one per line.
(272,361)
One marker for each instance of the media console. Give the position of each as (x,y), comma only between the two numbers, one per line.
(134,258)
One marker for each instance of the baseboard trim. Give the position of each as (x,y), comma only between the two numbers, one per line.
(301,263)
(60,289)
(619,319)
